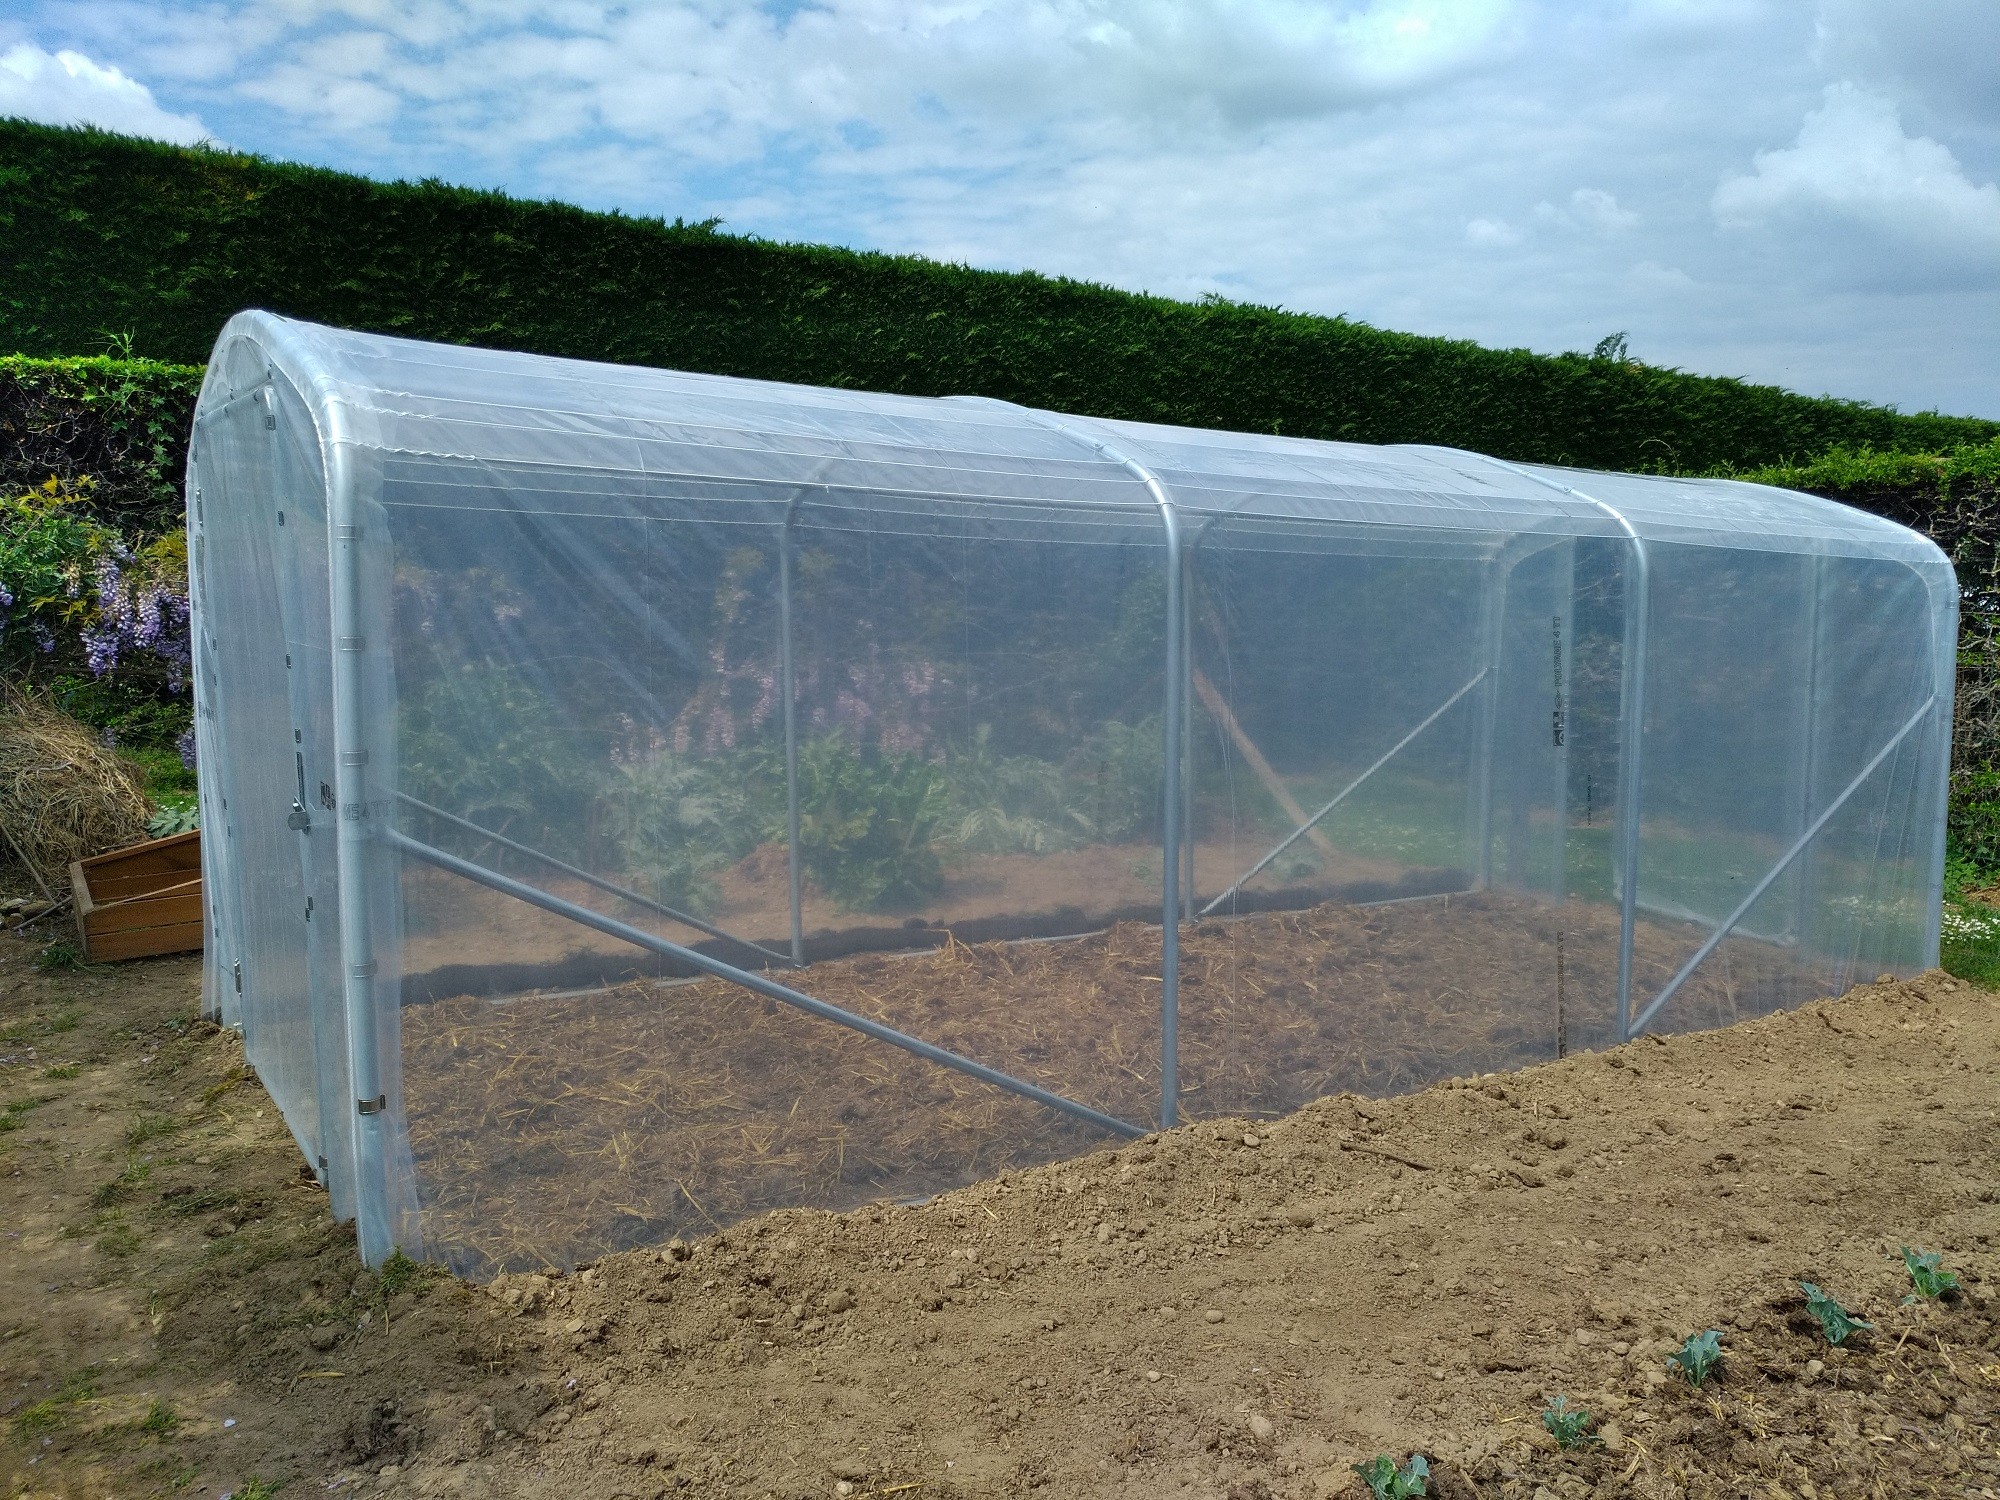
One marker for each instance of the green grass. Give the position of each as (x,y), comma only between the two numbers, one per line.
(62,1070)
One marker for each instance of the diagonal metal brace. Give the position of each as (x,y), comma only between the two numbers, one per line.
(1342,795)
(755,983)
(597,880)
(1771,875)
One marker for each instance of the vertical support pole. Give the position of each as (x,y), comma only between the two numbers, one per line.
(1809,755)
(1187,734)
(1566,623)
(791,733)
(353,848)
(1170,831)
(1631,768)
(1498,572)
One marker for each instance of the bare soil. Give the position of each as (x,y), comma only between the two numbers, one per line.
(1189,1315)
(552,1130)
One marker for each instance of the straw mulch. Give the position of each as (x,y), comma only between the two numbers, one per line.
(63,795)
(548,1131)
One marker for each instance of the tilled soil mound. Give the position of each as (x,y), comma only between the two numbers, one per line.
(1234,1310)
(550,1130)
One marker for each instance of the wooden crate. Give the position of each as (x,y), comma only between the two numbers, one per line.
(136,902)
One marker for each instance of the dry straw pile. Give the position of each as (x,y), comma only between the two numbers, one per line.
(63,795)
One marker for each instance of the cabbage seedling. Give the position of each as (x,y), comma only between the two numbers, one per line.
(1387,1482)
(1567,1424)
(1928,1272)
(1698,1357)
(1835,1321)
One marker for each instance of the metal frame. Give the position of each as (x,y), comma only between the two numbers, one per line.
(1784,863)
(372,1220)
(1173,733)
(1341,796)
(796,877)
(609,887)
(755,983)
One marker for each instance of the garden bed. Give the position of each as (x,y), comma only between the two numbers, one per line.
(549,1129)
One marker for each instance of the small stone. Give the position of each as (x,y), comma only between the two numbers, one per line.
(1885,978)
(1253,1140)
(1260,1426)
(1299,1216)
(1585,1336)
(849,1467)
(1103,1234)
(323,1337)
(1612,1436)
(1153,1375)
(843,1487)
(1212,1315)
(839,1301)
(1814,1369)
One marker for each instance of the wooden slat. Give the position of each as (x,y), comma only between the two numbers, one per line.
(104,890)
(129,916)
(180,852)
(181,937)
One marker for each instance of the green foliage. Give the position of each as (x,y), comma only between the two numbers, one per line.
(99,231)
(1568,1425)
(679,821)
(181,815)
(1117,776)
(47,1415)
(63,1070)
(59,956)
(1835,1321)
(160,1420)
(1928,1275)
(488,745)
(868,824)
(1010,804)
(146,1128)
(1387,1482)
(1697,1358)
(400,1274)
(119,423)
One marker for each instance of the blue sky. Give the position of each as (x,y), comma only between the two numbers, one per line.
(1795,191)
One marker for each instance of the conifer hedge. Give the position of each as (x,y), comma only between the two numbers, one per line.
(104,237)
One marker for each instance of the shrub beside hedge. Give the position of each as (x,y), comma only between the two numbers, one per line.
(102,234)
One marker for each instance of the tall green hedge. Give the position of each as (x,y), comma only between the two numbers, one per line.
(120,424)
(103,236)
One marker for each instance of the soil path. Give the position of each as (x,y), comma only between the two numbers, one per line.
(1232,1310)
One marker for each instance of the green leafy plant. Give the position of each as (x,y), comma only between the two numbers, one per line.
(678,822)
(868,825)
(1697,1358)
(58,957)
(1387,1482)
(1928,1275)
(62,1070)
(160,1419)
(1568,1425)
(400,1274)
(174,816)
(1010,804)
(1835,1321)
(1115,780)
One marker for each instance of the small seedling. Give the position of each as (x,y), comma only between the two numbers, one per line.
(59,957)
(1567,1424)
(1698,1357)
(1927,1271)
(159,1419)
(1387,1482)
(1835,1321)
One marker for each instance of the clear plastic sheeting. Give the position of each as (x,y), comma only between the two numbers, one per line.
(639,799)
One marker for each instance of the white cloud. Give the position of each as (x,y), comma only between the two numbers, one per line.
(67,88)
(1415,163)
(1852,163)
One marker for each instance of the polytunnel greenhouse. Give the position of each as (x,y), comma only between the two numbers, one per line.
(636,800)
